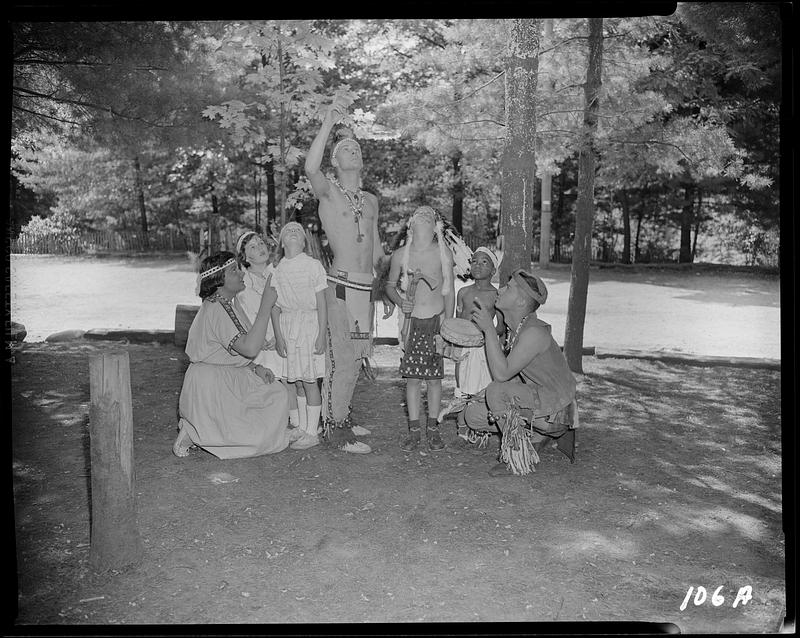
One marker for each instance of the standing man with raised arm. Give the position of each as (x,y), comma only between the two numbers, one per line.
(349,218)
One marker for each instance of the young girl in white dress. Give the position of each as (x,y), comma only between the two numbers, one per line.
(300,320)
(255,257)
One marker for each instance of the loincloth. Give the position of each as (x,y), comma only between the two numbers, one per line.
(354,291)
(421,359)
(473,371)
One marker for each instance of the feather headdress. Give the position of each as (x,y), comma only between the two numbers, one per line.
(446,236)
(422,212)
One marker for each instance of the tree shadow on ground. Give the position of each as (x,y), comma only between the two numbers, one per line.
(704,443)
(677,482)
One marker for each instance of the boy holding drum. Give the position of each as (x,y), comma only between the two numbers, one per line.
(472,370)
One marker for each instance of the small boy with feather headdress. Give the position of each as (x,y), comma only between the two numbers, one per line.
(424,269)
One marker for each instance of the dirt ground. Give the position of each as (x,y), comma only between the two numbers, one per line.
(677,484)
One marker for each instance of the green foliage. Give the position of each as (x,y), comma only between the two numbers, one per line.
(88,185)
(688,101)
(60,225)
(732,240)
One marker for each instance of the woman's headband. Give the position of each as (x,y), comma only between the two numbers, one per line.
(216,269)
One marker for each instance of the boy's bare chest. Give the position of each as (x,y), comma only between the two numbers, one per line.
(484,295)
(340,205)
(429,262)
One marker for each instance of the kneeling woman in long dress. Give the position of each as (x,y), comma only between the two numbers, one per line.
(229,406)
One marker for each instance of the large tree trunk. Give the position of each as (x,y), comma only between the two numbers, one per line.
(257,198)
(271,210)
(687,220)
(213,226)
(518,163)
(637,251)
(697,218)
(458,193)
(282,131)
(140,199)
(626,227)
(556,221)
(547,215)
(581,252)
(481,221)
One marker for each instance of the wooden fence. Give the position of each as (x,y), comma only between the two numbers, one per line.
(106,241)
(171,240)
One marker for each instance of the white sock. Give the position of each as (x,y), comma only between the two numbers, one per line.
(301,412)
(313,419)
(294,419)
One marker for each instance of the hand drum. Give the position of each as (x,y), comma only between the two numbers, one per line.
(461,332)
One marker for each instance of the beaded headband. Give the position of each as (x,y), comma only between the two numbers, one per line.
(423,211)
(243,238)
(340,143)
(537,294)
(216,269)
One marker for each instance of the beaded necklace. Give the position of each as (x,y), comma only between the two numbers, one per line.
(511,339)
(356,201)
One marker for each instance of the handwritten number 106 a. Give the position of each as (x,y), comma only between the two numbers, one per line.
(743,596)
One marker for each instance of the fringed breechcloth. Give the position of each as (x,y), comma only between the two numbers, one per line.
(514,408)
(350,320)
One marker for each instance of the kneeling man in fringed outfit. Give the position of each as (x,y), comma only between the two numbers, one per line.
(532,396)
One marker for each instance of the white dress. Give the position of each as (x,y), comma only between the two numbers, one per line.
(250,301)
(298,280)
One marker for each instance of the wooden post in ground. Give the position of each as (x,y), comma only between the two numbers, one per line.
(115,541)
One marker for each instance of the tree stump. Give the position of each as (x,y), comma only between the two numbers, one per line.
(184,316)
(115,541)
(17,332)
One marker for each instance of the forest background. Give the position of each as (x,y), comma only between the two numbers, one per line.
(651,138)
(184,126)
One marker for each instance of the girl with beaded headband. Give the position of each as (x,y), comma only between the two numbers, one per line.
(255,255)
(229,405)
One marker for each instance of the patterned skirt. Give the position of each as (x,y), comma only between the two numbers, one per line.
(421,359)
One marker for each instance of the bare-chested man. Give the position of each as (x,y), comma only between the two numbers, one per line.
(349,218)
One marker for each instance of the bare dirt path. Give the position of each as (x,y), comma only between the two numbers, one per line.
(677,484)
(703,313)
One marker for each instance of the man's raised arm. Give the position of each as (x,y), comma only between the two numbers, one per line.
(319,183)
